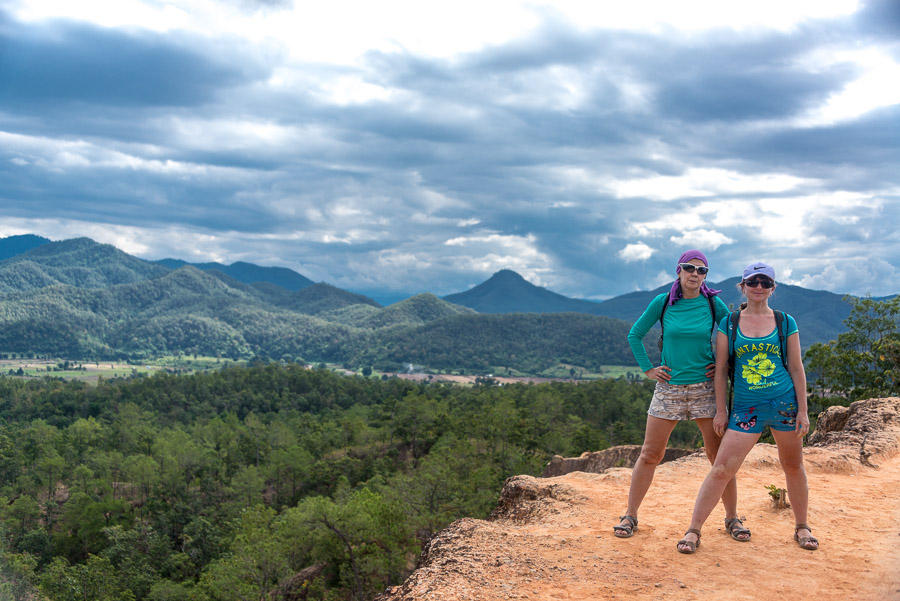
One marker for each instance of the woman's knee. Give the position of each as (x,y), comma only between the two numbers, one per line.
(793,468)
(652,456)
(722,472)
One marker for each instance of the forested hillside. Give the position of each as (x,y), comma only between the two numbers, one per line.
(81,300)
(249,273)
(321,298)
(79,262)
(228,485)
(526,342)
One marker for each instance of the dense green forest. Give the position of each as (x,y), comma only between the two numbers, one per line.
(227,485)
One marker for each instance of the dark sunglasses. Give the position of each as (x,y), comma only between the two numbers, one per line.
(690,267)
(764,282)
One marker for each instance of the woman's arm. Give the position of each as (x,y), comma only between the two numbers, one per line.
(798,375)
(721,383)
(721,312)
(639,330)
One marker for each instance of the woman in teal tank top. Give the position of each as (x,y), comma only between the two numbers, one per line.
(768,391)
(684,386)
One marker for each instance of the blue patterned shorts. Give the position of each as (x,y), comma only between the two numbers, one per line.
(779,414)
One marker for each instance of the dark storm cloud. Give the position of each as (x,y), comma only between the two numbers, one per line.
(816,150)
(113,197)
(729,81)
(64,63)
(553,43)
(880,18)
(726,94)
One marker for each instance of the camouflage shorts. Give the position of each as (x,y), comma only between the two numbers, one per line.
(683,401)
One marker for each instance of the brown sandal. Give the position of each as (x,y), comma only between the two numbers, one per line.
(810,543)
(626,531)
(691,545)
(735,527)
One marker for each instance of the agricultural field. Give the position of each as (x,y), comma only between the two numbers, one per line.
(92,371)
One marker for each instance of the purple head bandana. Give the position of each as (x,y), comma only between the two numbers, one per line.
(675,293)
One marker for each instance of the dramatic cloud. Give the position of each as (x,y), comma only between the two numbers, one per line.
(400,147)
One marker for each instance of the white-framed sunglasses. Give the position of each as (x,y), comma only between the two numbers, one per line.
(690,267)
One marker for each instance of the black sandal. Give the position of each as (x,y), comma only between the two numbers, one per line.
(810,543)
(735,530)
(626,531)
(691,545)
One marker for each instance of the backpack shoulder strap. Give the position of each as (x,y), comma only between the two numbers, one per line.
(662,314)
(712,313)
(780,327)
(665,306)
(734,318)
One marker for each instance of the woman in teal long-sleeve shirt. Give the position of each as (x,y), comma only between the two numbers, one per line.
(684,381)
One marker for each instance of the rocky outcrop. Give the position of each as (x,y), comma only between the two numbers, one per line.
(867,430)
(597,462)
(525,498)
(445,562)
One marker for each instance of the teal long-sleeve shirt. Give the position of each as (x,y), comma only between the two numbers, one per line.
(687,330)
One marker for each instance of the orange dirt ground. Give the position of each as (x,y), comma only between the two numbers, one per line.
(558,543)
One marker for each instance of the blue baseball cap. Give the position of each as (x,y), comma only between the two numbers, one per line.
(759,268)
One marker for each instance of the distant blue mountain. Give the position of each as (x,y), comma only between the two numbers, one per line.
(508,292)
(16,245)
(249,273)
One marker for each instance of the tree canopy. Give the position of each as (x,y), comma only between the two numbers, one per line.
(266,481)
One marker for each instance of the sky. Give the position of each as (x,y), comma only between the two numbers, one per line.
(397,147)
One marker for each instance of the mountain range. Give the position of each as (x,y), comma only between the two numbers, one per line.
(81,299)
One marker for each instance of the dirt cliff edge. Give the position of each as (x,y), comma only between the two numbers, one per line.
(551,538)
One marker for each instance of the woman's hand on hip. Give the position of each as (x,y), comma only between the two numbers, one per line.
(660,374)
(711,371)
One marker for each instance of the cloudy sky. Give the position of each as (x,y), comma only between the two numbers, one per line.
(408,146)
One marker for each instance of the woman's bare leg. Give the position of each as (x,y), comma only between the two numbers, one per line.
(711,444)
(731,454)
(656,437)
(790,454)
